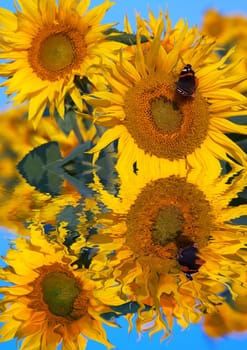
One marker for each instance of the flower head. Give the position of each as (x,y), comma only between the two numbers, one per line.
(157,226)
(157,127)
(48,302)
(229,316)
(229,31)
(48,45)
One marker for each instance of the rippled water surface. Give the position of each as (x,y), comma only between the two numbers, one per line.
(126,253)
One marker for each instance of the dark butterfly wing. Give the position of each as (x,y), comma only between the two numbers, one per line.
(186,85)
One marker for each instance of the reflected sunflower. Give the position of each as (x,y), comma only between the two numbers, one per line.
(152,231)
(48,302)
(231,315)
(48,45)
(155,126)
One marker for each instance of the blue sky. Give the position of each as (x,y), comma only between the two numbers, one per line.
(192,10)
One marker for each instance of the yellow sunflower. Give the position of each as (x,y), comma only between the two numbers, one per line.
(152,227)
(19,137)
(229,31)
(158,128)
(230,316)
(226,29)
(48,44)
(48,302)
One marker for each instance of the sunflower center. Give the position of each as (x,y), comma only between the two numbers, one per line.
(166,115)
(163,123)
(169,224)
(59,293)
(168,214)
(56,52)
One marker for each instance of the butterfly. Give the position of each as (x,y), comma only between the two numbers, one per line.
(189,261)
(187,82)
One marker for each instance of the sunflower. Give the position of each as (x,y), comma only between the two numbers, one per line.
(229,31)
(48,301)
(48,45)
(226,29)
(18,137)
(231,315)
(155,126)
(149,229)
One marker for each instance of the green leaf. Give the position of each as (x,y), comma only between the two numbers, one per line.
(237,137)
(68,123)
(71,215)
(235,202)
(125,38)
(45,169)
(83,84)
(78,161)
(78,169)
(40,168)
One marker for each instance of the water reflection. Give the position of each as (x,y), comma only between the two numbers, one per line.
(150,250)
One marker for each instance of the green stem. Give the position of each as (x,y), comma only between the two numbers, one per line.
(77,133)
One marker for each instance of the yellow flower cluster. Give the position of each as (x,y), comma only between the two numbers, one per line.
(230,32)
(132,147)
